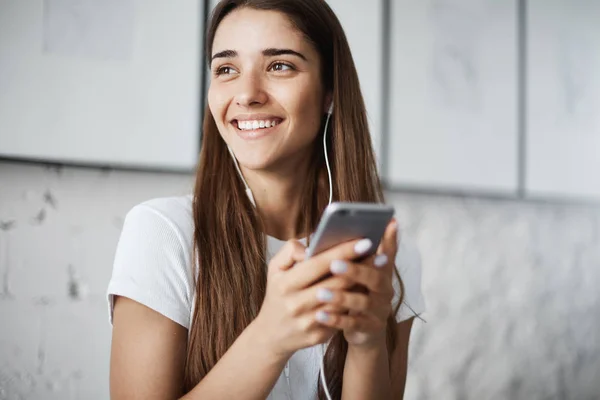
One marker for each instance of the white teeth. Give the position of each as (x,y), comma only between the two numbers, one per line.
(253,125)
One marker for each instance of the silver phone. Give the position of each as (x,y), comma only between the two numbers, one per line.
(342,222)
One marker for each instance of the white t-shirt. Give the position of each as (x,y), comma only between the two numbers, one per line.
(153,267)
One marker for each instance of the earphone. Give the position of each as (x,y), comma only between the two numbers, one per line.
(322,347)
(251,197)
(329,112)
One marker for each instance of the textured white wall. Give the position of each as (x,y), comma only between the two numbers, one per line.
(511,287)
(58,232)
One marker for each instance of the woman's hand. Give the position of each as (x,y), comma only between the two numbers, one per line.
(288,318)
(365,324)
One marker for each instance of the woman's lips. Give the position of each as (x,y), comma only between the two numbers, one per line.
(254,134)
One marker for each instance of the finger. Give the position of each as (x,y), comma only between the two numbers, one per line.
(380,308)
(386,253)
(291,253)
(373,279)
(314,296)
(316,332)
(332,308)
(351,301)
(358,322)
(334,282)
(313,269)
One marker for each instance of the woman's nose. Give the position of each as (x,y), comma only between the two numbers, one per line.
(250,91)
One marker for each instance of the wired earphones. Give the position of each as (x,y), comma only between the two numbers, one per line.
(251,198)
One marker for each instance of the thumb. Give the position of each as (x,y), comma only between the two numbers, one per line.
(290,254)
(389,243)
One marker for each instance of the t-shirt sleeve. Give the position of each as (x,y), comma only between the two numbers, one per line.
(408,265)
(151,266)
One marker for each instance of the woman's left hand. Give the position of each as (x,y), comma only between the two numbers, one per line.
(365,324)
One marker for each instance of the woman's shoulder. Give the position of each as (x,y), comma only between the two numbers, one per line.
(175,211)
(152,262)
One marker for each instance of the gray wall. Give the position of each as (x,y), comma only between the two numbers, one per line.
(511,288)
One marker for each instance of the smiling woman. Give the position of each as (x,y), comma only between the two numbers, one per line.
(263,68)
(204,300)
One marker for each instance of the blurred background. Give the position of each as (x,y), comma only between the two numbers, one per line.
(484,115)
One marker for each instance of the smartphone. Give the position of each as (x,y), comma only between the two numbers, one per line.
(342,222)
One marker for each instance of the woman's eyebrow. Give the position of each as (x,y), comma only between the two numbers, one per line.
(270,52)
(278,52)
(225,54)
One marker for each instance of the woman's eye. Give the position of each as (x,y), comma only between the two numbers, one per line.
(279,66)
(225,70)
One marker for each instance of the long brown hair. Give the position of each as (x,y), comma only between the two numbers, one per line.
(229,241)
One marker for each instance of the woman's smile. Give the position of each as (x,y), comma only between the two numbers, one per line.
(256,126)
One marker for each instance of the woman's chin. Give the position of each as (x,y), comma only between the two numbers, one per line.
(255,164)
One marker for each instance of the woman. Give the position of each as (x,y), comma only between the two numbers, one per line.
(241,323)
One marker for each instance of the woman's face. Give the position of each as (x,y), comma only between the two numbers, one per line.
(266,94)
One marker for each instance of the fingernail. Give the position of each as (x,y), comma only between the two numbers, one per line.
(381,260)
(324,294)
(363,246)
(338,267)
(322,316)
(394,225)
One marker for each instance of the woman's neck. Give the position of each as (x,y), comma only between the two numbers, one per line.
(278,197)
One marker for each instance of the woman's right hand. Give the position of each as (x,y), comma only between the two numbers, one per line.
(287,317)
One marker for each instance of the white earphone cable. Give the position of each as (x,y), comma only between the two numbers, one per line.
(237,167)
(327,158)
(251,197)
(322,347)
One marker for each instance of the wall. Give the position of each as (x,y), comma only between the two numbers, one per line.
(511,288)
